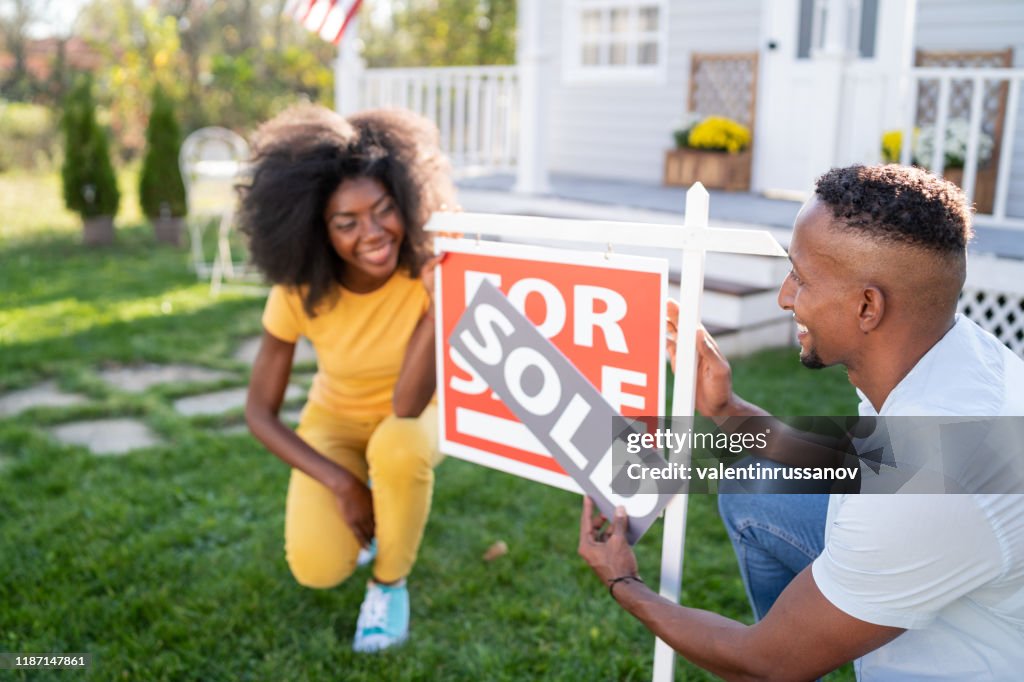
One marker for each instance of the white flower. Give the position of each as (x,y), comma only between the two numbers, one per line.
(955,148)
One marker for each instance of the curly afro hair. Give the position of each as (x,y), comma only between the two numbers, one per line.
(899,204)
(301,156)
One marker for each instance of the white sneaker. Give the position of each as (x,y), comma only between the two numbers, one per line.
(367,554)
(383,617)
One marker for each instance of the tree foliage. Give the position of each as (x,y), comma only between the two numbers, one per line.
(15,18)
(232,64)
(440,33)
(161,189)
(236,64)
(90,186)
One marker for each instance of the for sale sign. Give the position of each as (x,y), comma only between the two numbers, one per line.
(603,312)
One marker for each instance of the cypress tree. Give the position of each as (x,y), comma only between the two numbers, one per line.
(161,189)
(90,186)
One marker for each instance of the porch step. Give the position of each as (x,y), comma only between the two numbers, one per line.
(732,305)
(760,271)
(739,305)
(746,340)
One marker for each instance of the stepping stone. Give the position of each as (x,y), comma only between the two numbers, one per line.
(137,378)
(304,352)
(234,430)
(45,394)
(219,402)
(289,417)
(106,436)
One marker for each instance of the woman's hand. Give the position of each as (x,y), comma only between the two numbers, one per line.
(266,392)
(416,379)
(427,275)
(355,502)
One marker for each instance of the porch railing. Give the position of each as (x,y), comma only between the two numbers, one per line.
(988,101)
(476,109)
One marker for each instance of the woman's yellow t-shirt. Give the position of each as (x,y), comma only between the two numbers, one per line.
(360,340)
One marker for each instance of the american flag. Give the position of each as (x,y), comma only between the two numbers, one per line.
(327,18)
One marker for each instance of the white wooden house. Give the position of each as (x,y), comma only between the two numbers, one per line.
(599,86)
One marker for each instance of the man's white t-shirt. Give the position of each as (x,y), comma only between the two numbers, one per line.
(948,568)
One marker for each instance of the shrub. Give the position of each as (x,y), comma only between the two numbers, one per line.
(29,137)
(681,129)
(90,187)
(161,189)
(717,133)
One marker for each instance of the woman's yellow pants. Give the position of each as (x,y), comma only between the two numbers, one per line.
(398,456)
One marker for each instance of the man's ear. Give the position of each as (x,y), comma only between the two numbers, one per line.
(872,309)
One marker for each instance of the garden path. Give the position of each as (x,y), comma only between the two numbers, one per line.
(121,435)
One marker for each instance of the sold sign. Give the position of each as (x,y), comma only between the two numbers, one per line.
(579,334)
(603,312)
(554,401)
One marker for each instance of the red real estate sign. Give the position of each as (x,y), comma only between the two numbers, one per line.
(604,312)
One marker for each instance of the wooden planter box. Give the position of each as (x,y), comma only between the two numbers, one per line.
(984,185)
(98,231)
(716,170)
(168,230)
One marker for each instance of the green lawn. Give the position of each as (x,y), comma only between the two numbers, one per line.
(31,204)
(167,564)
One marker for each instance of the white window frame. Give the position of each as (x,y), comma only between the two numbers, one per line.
(575,72)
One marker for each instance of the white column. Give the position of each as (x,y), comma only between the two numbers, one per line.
(831,61)
(348,71)
(532,59)
(877,91)
(894,49)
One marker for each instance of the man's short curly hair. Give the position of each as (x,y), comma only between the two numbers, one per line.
(301,156)
(899,204)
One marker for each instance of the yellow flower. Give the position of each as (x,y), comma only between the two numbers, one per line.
(720,133)
(892,144)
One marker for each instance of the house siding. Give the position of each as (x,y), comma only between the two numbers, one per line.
(619,129)
(980,25)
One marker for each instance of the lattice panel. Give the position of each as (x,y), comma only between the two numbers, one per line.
(1000,313)
(724,85)
(961,91)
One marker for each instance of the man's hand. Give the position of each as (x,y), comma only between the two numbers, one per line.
(355,502)
(714,375)
(606,549)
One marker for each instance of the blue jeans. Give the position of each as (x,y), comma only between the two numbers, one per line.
(775,536)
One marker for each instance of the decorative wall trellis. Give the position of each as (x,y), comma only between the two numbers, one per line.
(724,85)
(958,107)
(1000,313)
(960,92)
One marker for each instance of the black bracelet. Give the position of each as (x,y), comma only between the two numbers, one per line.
(621,578)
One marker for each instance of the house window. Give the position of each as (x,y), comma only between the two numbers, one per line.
(861,21)
(614,39)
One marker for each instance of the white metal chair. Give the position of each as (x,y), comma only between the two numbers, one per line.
(212,160)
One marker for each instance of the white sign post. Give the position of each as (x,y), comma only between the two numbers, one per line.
(693,240)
